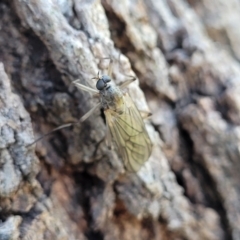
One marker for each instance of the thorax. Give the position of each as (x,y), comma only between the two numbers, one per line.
(112,98)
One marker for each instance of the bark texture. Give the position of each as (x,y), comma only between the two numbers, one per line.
(185,55)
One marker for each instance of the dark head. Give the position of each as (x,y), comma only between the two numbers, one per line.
(102,82)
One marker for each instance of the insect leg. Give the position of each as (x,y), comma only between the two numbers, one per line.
(82,119)
(126,83)
(109,73)
(89,113)
(109,138)
(110,68)
(145,114)
(54,130)
(84,87)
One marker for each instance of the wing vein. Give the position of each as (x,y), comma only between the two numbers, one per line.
(130,135)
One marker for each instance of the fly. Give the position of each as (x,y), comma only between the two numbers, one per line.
(125,125)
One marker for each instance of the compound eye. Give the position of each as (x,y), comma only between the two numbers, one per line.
(100,84)
(106,78)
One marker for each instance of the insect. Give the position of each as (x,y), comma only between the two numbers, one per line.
(125,124)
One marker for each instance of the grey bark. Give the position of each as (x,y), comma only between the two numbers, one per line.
(70,185)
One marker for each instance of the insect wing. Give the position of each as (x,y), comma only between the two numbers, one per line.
(129,133)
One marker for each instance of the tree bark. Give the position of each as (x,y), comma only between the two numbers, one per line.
(71,185)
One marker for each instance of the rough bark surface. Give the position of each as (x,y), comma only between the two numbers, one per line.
(70,185)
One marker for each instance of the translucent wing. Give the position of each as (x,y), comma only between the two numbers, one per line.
(129,133)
